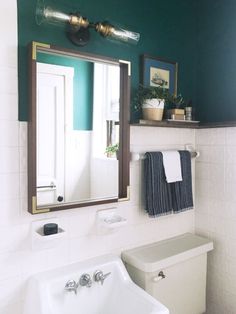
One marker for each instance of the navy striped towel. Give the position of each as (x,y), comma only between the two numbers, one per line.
(157,190)
(181,192)
(162,198)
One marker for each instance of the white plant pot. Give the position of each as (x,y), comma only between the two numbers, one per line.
(153,109)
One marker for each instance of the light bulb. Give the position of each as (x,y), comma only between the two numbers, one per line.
(117,33)
(124,35)
(46,14)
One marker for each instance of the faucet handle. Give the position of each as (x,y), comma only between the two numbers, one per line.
(85,280)
(99,276)
(71,285)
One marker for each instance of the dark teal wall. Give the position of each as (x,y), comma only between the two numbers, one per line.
(216,71)
(167,29)
(83,83)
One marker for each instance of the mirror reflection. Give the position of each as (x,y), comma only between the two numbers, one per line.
(77,118)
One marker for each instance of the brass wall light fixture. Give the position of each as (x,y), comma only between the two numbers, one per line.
(78,27)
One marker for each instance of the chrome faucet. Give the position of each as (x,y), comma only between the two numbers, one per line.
(85,281)
(71,285)
(99,276)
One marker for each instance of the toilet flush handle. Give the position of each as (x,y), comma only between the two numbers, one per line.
(159,277)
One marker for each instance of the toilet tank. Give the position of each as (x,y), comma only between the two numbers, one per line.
(173,271)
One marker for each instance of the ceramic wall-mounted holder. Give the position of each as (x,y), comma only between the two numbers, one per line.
(109,220)
(39,241)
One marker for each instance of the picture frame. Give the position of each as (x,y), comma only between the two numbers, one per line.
(159,72)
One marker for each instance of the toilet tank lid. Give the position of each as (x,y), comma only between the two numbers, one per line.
(162,254)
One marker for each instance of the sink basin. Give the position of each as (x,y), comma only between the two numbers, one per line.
(118,294)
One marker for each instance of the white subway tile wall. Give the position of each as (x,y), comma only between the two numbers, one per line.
(17,260)
(215,213)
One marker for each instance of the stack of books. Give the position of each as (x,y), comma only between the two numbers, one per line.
(176,114)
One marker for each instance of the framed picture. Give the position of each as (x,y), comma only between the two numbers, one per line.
(160,73)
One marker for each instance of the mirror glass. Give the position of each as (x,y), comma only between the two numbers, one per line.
(79,151)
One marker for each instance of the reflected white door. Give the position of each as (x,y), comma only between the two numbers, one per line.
(51,125)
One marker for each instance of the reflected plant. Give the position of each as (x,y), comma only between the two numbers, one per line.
(111,150)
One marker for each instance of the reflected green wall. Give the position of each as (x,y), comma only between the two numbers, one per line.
(216,71)
(83,84)
(167,30)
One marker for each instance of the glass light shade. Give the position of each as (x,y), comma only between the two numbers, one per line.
(46,14)
(124,35)
(117,33)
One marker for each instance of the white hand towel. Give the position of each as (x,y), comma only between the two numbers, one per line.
(172,166)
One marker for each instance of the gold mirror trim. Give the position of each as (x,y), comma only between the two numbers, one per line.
(34,207)
(129,65)
(36,44)
(127,198)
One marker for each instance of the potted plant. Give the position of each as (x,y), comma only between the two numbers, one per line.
(112,150)
(152,101)
(175,107)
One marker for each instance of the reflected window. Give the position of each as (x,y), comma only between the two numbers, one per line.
(106,108)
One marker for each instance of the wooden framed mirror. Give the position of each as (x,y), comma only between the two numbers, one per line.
(79,116)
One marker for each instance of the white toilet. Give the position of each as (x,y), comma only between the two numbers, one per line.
(173,271)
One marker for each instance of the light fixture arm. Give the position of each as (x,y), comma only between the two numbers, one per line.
(78,21)
(105,29)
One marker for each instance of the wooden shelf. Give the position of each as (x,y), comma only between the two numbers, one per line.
(168,124)
(184,124)
(209,125)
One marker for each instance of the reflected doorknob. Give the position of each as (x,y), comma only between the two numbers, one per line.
(60,198)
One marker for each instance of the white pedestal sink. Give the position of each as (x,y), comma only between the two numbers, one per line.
(46,292)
